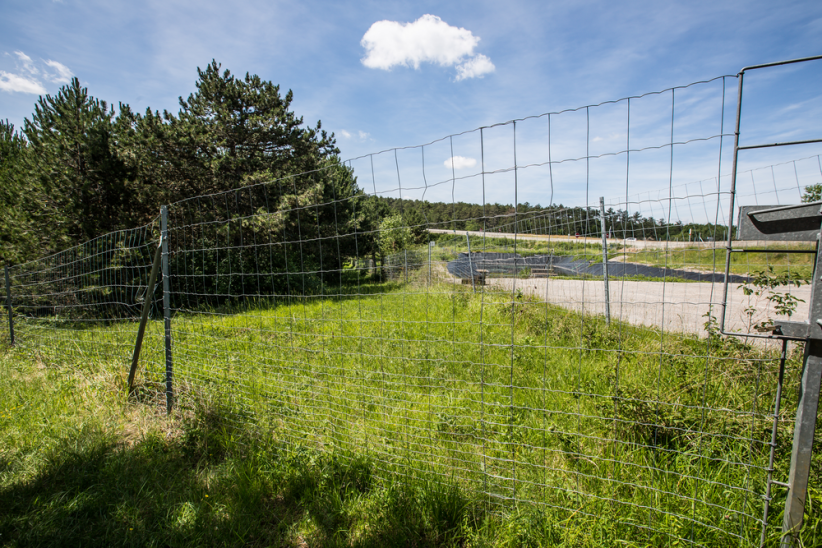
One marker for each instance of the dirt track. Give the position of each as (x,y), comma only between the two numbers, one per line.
(665,306)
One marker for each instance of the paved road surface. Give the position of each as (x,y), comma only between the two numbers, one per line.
(668,306)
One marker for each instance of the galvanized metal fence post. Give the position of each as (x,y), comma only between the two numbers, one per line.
(8,305)
(406,266)
(167,310)
(470,263)
(605,259)
(429,264)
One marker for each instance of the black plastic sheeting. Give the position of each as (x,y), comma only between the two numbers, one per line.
(512,264)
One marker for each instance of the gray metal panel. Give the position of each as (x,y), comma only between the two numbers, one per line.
(780,223)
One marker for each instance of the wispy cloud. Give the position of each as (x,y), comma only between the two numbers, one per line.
(429,39)
(460,162)
(360,135)
(26,64)
(21,84)
(61,75)
(27,77)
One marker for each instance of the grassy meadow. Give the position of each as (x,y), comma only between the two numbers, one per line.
(382,414)
(798,265)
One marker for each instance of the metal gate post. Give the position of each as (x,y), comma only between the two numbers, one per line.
(803,441)
(795,223)
(802,223)
(8,304)
(805,415)
(605,259)
(167,310)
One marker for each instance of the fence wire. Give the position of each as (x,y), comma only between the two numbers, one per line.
(507,367)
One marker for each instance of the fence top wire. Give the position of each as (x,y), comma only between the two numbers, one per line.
(474,130)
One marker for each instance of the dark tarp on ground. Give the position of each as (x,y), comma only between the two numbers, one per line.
(512,264)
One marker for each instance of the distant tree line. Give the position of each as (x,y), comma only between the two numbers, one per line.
(554,219)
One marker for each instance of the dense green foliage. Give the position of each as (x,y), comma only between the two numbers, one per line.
(813,193)
(79,170)
(23,209)
(73,159)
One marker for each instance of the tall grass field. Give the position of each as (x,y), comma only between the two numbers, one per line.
(393,415)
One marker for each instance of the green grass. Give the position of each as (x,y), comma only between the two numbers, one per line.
(800,265)
(376,418)
(525,248)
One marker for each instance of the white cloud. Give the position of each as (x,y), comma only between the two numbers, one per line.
(361,135)
(27,79)
(475,67)
(61,76)
(429,39)
(28,64)
(460,162)
(13,82)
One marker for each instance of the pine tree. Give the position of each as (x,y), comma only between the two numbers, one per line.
(228,130)
(21,201)
(72,156)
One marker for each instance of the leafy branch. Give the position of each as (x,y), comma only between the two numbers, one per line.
(764,284)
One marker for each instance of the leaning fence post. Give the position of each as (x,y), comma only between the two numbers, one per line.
(167,309)
(605,259)
(152,280)
(8,304)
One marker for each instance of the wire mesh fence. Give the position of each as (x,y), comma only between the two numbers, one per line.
(83,303)
(491,350)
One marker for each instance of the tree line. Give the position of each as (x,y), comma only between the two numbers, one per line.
(78,169)
(553,219)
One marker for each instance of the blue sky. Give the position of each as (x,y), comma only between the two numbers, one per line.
(352,65)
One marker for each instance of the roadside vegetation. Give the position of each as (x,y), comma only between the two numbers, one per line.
(797,265)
